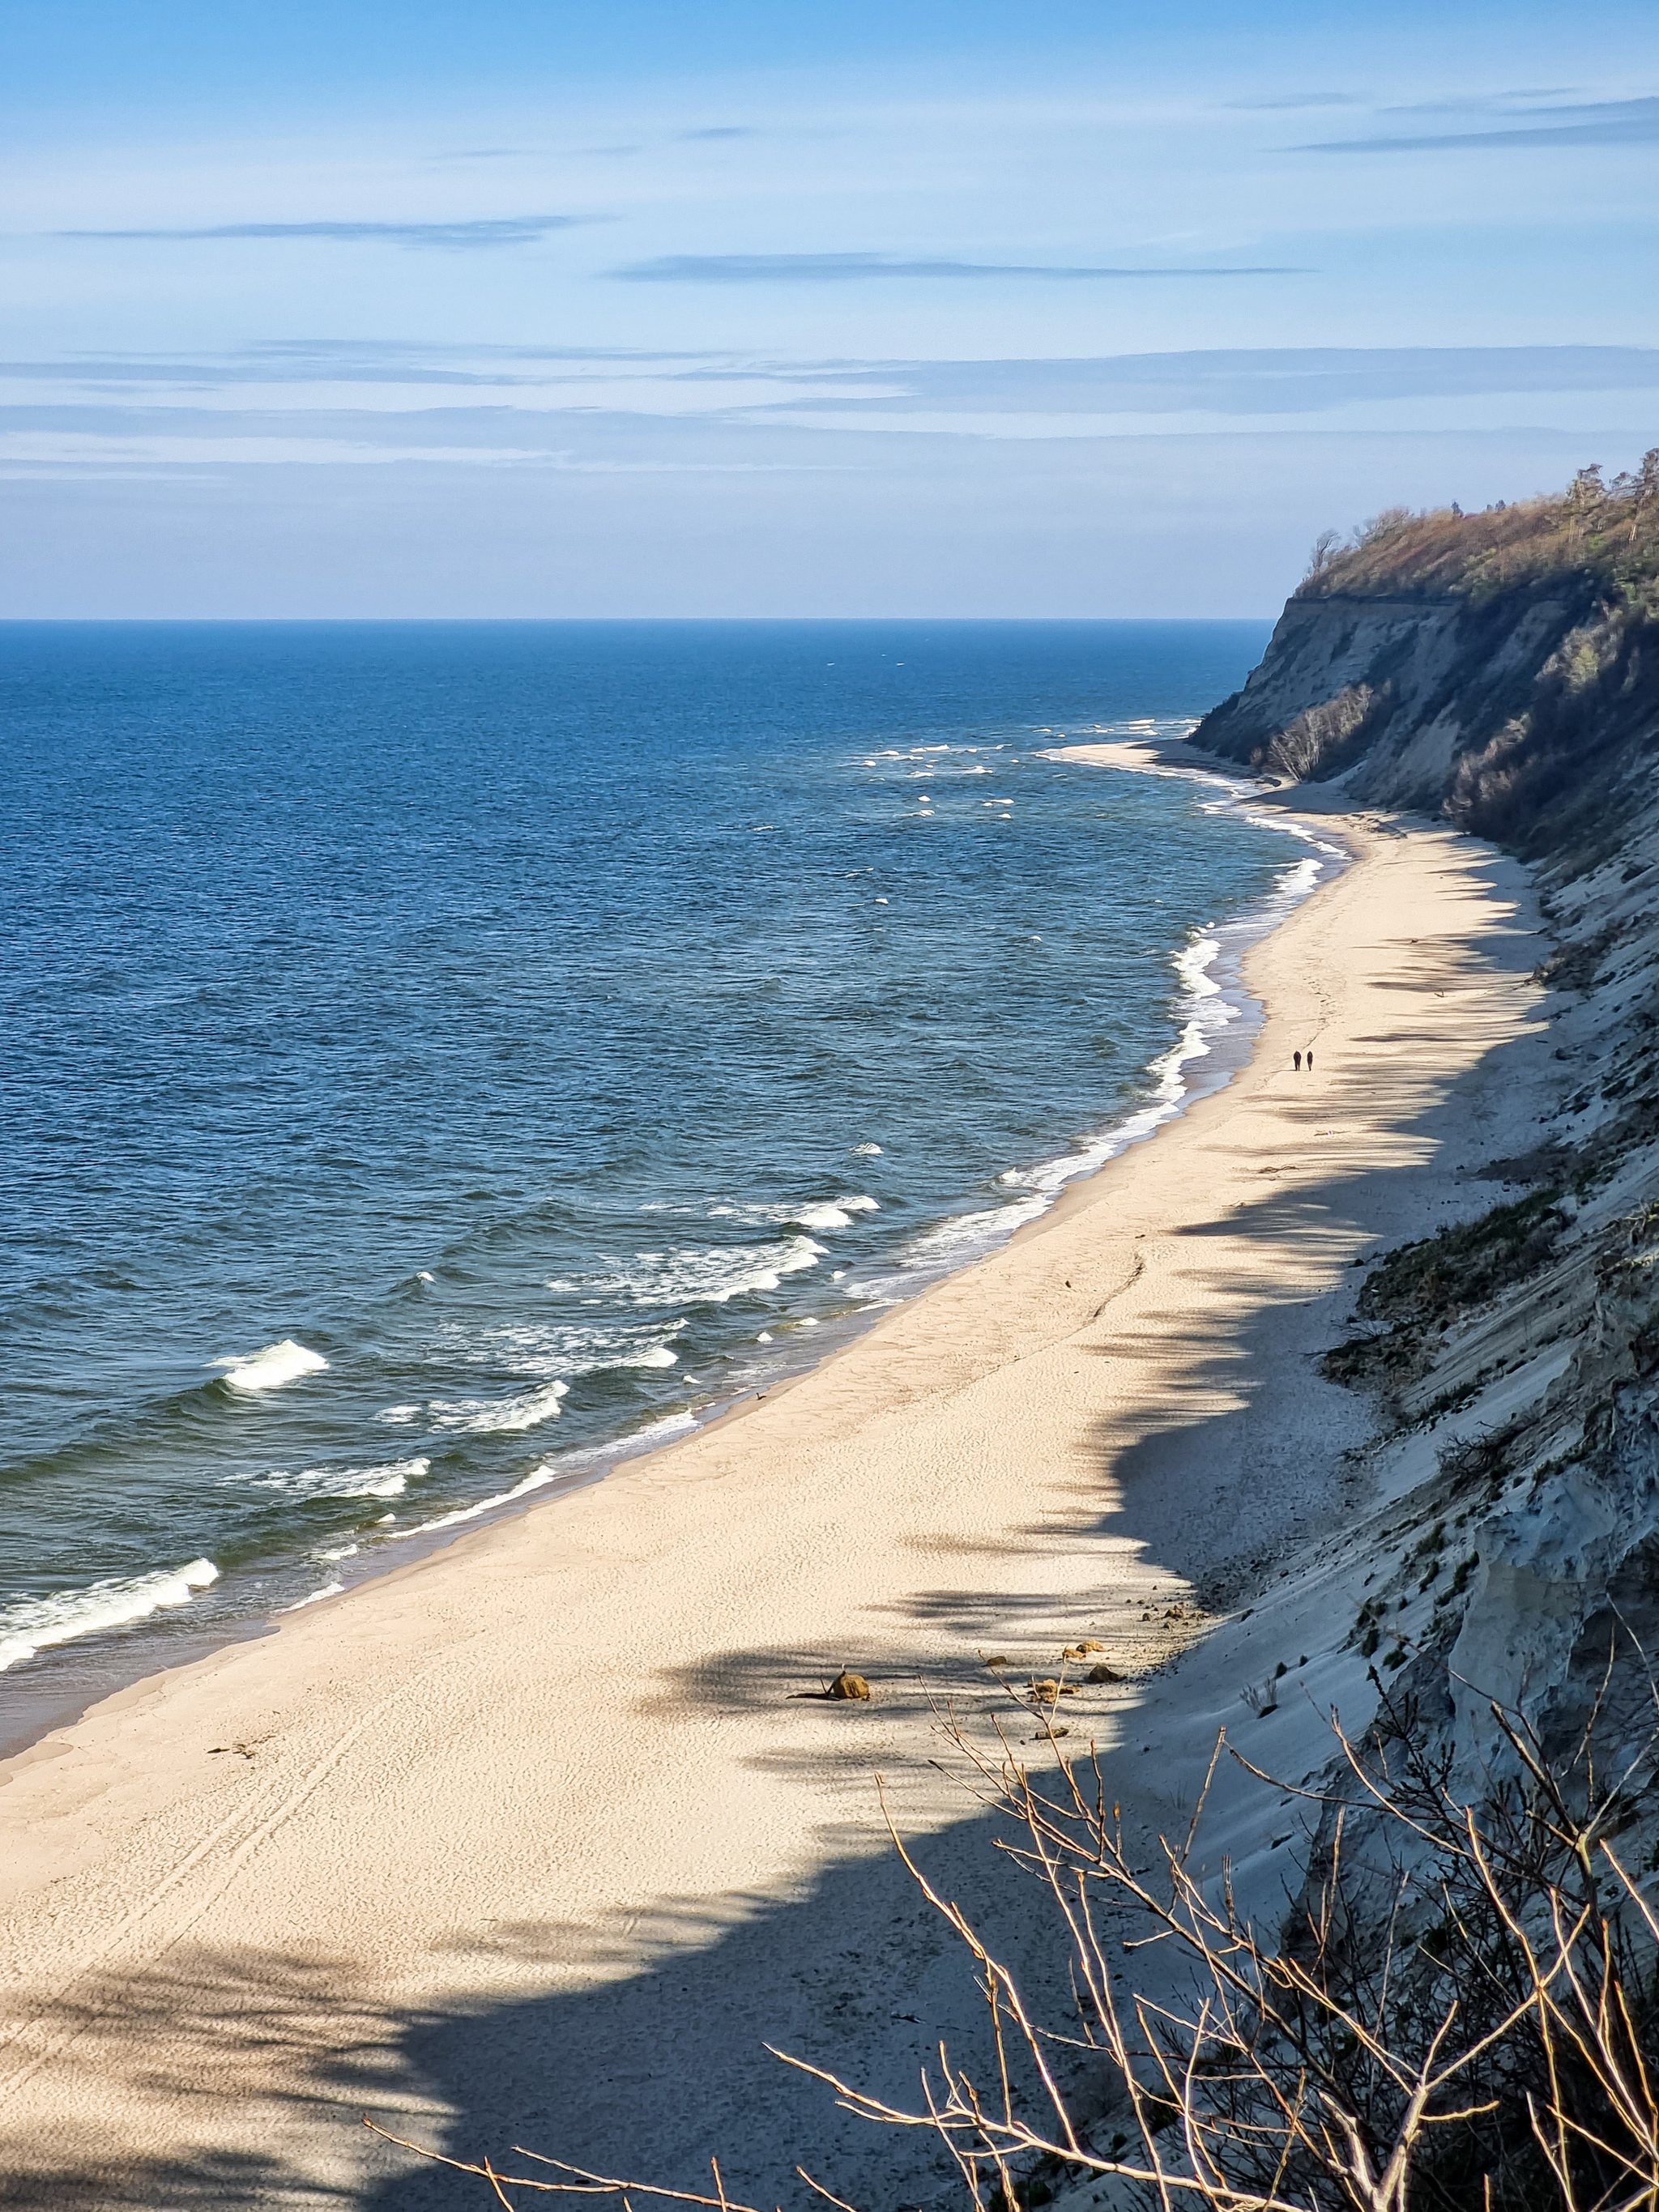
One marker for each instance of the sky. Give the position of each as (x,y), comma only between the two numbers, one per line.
(557,308)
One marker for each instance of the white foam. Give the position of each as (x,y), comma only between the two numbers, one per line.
(499,1417)
(37,1624)
(389,1480)
(401,1415)
(537,1480)
(672,1425)
(1299,879)
(626,1447)
(339,1551)
(268,1370)
(707,1275)
(949,1239)
(817,1214)
(1192,964)
(328,1589)
(1204,1011)
(542,1349)
(868,1151)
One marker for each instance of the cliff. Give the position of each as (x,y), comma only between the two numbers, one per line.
(1502,1549)
(1504,669)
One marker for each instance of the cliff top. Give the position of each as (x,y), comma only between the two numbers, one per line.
(1604,533)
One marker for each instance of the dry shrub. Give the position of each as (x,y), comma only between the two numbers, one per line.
(1435,1279)
(1459,2012)
(1419,1290)
(1320,735)
(1605,530)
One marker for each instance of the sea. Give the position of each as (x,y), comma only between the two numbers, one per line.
(439,1060)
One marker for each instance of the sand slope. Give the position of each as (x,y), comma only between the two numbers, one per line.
(534,1842)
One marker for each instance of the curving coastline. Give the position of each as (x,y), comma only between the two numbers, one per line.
(536,1821)
(1216,1020)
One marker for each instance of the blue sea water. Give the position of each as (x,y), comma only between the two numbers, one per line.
(433,1055)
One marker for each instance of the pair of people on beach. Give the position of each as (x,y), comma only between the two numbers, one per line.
(1300,1056)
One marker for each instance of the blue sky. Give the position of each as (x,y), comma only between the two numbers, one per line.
(633,309)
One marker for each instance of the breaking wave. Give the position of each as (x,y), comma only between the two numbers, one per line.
(37,1624)
(271,1369)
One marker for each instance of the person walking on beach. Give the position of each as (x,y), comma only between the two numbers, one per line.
(1297,1058)
(1311,1060)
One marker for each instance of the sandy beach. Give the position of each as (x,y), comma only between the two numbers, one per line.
(539,1840)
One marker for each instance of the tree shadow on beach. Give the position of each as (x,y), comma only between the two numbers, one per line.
(653,2073)
(655,2065)
(318,2053)
(219,2181)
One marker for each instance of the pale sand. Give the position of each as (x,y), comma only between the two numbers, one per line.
(529,1842)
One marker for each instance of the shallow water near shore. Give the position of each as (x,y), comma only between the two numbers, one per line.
(437,1056)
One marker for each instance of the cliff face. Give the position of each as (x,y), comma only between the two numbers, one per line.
(1502,668)
(1528,712)
(1392,694)
(1551,1359)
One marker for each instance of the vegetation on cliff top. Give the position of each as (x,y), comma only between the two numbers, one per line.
(1606,533)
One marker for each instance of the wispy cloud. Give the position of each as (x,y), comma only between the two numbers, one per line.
(1293,99)
(1605,123)
(724,131)
(1289,381)
(398,377)
(59,453)
(487,231)
(1488,103)
(362,409)
(847,268)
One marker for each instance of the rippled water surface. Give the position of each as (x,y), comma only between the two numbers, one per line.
(432,1054)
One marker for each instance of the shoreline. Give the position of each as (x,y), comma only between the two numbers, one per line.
(66,1693)
(508,1821)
